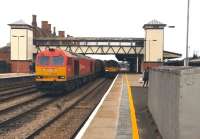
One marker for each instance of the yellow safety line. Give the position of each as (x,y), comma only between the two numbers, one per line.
(135,134)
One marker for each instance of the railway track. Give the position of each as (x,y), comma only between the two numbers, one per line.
(12,94)
(23,103)
(10,117)
(34,121)
(81,103)
(8,92)
(16,85)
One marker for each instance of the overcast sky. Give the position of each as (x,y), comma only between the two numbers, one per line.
(107,18)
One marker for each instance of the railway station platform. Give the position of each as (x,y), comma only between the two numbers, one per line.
(8,79)
(14,75)
(122,112)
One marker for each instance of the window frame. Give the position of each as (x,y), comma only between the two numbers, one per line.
(53,64)
(39,61)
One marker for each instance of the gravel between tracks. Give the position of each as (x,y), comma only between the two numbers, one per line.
(68,124)
(15,86)
(46,113)
(19,100)
(13,113)
(2,93)
(17,95)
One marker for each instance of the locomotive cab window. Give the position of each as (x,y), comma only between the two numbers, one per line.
(43,60)
(57,60)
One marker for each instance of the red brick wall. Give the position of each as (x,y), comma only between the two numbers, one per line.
(5,56)
(61,33)
(151,64)
(23,66)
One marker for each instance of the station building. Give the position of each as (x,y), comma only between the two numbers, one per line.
(23,50)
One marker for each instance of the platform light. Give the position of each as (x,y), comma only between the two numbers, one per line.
(171,26)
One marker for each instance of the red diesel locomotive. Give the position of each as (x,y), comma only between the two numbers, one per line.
(57,68)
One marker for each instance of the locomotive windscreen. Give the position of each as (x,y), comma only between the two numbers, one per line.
(57,60)
(43,60)
(53,61)
(111,63)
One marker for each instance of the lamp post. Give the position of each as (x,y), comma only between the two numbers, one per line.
(18,50)
(186,63)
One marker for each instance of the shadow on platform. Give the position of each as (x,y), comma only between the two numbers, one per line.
(146,126)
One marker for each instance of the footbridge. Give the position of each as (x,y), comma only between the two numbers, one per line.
(127,49)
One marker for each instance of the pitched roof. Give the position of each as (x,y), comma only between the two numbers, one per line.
(38,32)
(171,55)
(5,49)
(19,22)
(154,23)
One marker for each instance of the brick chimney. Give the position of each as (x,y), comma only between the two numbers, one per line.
(61,34)
(45,26)
(34,20)
(54,31)
(49,28)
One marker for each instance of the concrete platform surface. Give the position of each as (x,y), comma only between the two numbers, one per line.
(104,125)
(13,75)
(115,117)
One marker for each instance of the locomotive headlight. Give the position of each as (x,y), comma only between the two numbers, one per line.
(38,77)
(61,77)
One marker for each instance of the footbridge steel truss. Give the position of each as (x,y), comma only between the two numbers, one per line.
(93,45)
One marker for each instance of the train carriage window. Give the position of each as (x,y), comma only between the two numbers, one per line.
(57,60)
(43,60)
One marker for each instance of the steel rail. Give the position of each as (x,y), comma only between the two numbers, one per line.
(21,104)
(16,85)
(39,130)
(13,95)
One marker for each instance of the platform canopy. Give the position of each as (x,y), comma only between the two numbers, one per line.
(171,55)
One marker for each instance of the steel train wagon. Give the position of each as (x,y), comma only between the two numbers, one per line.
(56,68)
(112,68)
